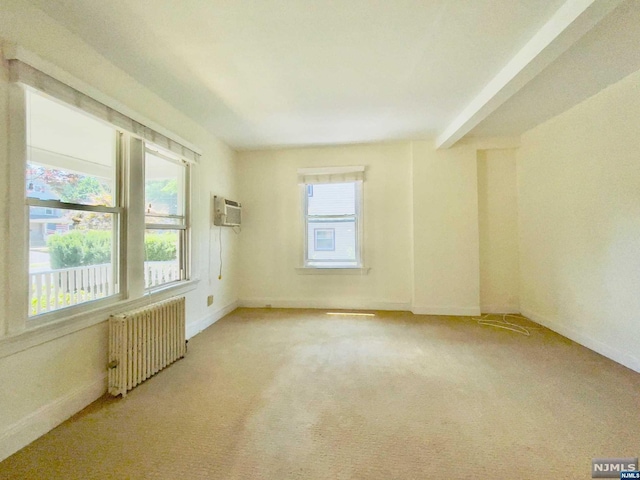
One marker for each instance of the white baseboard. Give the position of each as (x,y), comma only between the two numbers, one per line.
(608,351)
(198,326)
(500,308)
(324,304)
(348,304)
(440,310)
(47,417)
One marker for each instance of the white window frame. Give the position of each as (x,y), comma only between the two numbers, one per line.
(19,331)
(117,212)
(341,175)
(183,227)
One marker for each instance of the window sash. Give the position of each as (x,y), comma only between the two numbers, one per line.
(164,226)
(35,202)
(118,253)
(356,218)
(183,220)
(90,276)
(182,258)
(184,187)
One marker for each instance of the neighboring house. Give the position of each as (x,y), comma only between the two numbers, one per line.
(44,221)
(332,222)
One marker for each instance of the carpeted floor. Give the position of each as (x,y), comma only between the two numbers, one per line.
(299,394)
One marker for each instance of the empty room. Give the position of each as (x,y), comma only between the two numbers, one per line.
(284,239)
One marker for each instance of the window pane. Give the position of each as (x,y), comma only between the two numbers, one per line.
(332,199)
(162,249)
(70,156)
(332,240)
(163,186)
(324,239)
(71,258)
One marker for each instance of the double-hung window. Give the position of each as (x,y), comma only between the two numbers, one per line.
(165,237)
(332,203)
(74,206)
(99,203)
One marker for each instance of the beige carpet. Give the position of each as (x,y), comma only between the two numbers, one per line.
(298,394)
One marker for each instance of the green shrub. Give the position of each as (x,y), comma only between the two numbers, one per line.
(93,247)
(79,248)
(159,247)
(97,247)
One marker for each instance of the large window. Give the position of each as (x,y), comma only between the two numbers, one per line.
(74,205)
(84,181)
(98,206)
(333,225)
(165,238)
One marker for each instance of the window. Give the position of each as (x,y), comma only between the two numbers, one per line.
(73,181)
(332,217)
(74,207)
(324,239)
(95,229)
(165,197)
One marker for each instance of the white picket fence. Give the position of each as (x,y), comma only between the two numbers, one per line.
(54,289)
(157,273)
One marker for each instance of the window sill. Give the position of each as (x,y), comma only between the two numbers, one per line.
(332,271)
(45,332)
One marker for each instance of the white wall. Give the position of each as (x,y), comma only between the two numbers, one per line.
(446,253)
(272,230)
(46,383)
(420,229)
(579,204)
(4,192)
(498,229)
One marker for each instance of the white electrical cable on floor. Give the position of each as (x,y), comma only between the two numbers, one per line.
(504,323)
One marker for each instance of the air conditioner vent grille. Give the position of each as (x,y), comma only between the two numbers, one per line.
(226,213)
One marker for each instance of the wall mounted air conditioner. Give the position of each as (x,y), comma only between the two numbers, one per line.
(226,213)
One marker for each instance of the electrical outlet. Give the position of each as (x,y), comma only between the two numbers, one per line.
(209,300)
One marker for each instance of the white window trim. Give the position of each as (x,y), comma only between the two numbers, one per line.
(323,175)
(19,331)
(332,271)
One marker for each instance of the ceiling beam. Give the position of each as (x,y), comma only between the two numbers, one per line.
(564,28)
